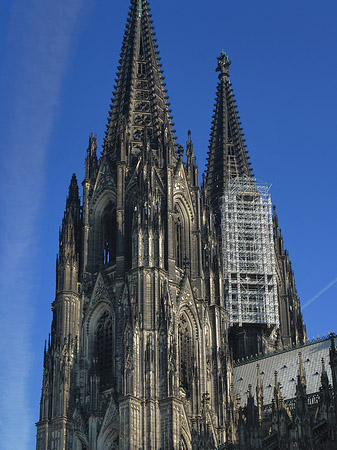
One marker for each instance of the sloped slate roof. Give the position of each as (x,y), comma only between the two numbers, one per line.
(286,364)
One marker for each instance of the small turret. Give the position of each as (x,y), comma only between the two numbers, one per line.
(91,159)
(278,401)
(191,164)
(301,379)
(69,242)
(325,387)
(303,418)
(68,269)
(189,156)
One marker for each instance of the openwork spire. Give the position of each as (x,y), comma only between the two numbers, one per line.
(227,157)
(139,111)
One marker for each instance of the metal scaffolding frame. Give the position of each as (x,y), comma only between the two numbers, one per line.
(248,253)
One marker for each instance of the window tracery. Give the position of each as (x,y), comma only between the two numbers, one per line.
(109,234)
(104,350)
(186,354)
(179,243)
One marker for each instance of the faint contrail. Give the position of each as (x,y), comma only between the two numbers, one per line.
(315,297)
(41,35)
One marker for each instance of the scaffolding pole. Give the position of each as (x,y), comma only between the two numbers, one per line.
(248,253)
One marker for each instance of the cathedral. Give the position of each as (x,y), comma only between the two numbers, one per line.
(176,321)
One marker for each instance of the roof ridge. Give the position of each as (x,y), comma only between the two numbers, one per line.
(260,356)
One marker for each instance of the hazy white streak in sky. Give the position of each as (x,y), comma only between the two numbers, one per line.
(315,297)
(40,37)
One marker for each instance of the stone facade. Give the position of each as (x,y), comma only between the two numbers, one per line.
(140,354)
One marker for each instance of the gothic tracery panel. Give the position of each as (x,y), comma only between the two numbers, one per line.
(104,350)
(186,353)
(179,243)
(109,234)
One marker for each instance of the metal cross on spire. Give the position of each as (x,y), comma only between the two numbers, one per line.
(140,8)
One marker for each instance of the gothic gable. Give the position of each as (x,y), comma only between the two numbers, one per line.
(105,180)
(186,301)
(185,429)
(80,428)
(181,190)
(108,435)
(99,300)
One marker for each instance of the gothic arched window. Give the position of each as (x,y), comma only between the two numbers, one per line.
(104,350)
(109,234)
(186,354)
(179,243)
(183,445)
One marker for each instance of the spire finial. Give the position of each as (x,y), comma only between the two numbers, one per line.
(276,378)
(258,376)
(140,8)
(250,390)
(301,376)
(323,366)
(223,64)
(301,364)
(73,189)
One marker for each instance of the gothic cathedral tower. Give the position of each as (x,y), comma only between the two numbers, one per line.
(139,354)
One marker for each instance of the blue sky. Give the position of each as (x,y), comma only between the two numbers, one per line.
(58,62)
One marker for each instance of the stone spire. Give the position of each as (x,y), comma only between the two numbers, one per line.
(68,262)
(139,110)
(91,159)
(69,240)
(227,157)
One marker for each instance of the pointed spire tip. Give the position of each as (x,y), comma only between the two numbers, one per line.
(223,63)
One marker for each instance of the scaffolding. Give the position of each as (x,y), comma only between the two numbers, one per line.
(248,253)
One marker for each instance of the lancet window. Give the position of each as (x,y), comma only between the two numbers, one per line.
(179,243)
(109,234)
(104,350)
(186,354)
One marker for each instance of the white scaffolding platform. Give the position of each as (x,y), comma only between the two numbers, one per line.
(248,253)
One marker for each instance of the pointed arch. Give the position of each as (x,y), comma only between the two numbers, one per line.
(81,441)
(109,439)
(103,350)
(108,234)
(179,243)
(187,352)
(185,442)
(103,234)
(100,338)
(182,234)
